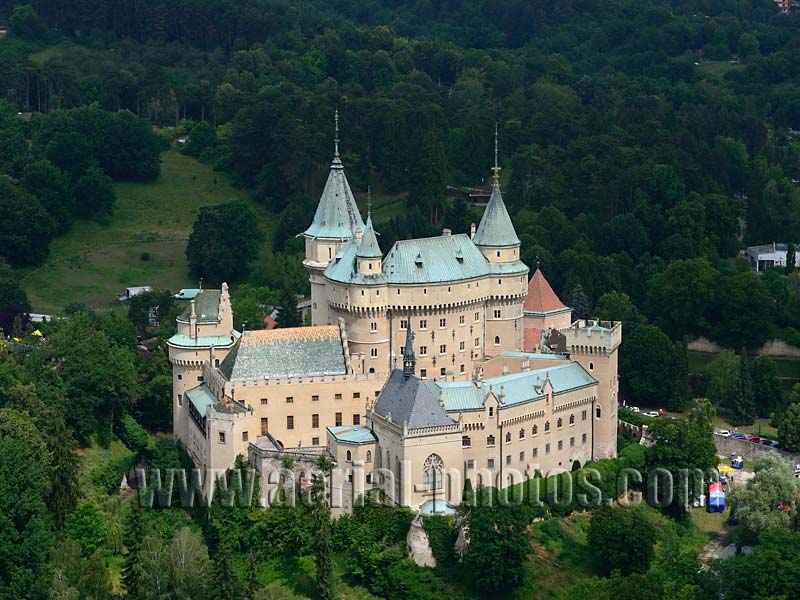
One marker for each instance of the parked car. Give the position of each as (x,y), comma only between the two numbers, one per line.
(633,409)
(765,442)
(775,445)
(753,438)
(651,413)
(739,436)
(723,432)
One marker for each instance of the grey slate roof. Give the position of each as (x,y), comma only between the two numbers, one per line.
(295,352)
(495,228)
(408,400)
(369,248)
(428,260)
(337,214)
(206,307)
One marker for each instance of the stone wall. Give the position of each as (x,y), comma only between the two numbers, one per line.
(748,450)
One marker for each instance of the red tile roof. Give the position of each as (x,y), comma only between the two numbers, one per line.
(532,338)
(541,297)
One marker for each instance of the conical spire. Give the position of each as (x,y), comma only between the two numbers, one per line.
(369,247)
(337,215)
(409,361)
(496,228)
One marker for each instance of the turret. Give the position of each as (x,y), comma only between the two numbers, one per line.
(369,255)
(409,361)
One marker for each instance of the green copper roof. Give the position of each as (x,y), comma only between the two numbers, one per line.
(204,341)
(201,397)
(369,248)
(495,228)
(518,387)
(206,307)
(352,434)
(337,215)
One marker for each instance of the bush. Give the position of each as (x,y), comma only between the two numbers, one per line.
(132,434)
(442,535)
(107,476)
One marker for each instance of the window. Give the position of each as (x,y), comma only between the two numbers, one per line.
(349,456)
(497,313)
(497,340)
(560,444)
(356,395)
(546,426)
(508,459)
(315,398)
(471,463)
(423,351)
(449,289)
(498,254)
(200,378)
(508,437)
(462,368)
(180,399)
(442,323)
(559,423)
(466,442)
(522,456)
(370,266)
(583,438)
(373,326)
(315,441)
(264,402)
(547,448)
(442,348)
(315,420)
(289,399)
(460,319)
(443,372)
(369,456)
(337,397)
(490,441)
(477,342)
(597,412)
(373,353)
(338,419)
(216,362)
(490,463)
(583,415)
(423,323)
(432,472)
(289,422)
(356,419)
(369,477)
(221,437)
(491,411)
(591,366)
(499,282)
(245,435)
(522,434)
(572,442)
(477,317)
(572,419)
(423,373)
(535,430)
(534,453)
(264,426)
(403,323)
(180,377)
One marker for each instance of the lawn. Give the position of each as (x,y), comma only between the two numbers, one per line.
(143,243)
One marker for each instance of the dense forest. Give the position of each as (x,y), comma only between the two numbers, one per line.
(643,144)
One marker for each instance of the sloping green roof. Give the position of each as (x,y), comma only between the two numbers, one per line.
(201,397)
(495,228)
(369,248)
(292,352)
(337,215)
(187,293)
(206,341)
(353,434)
(206,307)
(436,507)
(518,387)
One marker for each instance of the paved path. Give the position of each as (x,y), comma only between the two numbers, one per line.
(715,546)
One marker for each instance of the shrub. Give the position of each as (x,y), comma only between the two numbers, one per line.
(132,434)
(442,535)
(107,476)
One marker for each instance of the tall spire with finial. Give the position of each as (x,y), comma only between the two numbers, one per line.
(496,167)
(336,134)
(409,362)
(369,202)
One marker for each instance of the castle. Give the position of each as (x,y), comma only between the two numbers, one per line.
(437,362)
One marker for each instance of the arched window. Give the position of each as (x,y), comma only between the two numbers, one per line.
(369,455)
(432,473)
(535,430)
(597,412)
(572,419)
(546,426)
(560,423)
(591,366)
(349,455)
(508,437)
(497,340)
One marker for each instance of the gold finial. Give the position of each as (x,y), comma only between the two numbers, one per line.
(336,136)
(496,167)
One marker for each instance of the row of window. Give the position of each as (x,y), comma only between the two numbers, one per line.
(490,463)
(368,458)
(315,398)
(466,441)
(246,437)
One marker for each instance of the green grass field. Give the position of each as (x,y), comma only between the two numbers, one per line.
(143,243)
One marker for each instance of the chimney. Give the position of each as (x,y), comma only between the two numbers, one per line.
(446,231)
(472,231)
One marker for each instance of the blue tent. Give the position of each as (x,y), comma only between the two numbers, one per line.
(716,497)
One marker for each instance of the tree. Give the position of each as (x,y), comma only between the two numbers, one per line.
(791,258)
(225,584)
(679,371)
(189,566)
(702,415)
(288,316)
(25,229)
(747,45)
(743,408)
(86,527)
(789,428)
(25,23)
(94,194)
(766,385)
(679,299)
(322,546)
(626,536)
(580,303)
(722,378)
(224,239)
(616,306)
(496,531)
(52,187)
(648,365)
(766,502)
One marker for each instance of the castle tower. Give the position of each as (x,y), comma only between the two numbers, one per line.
(543,310)
(595,345)
(336,221)
(369,256)
(498,242)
